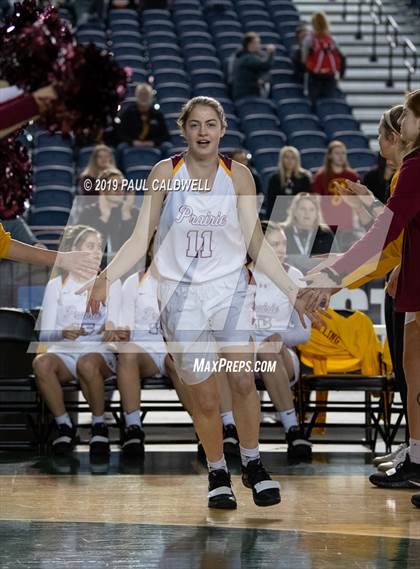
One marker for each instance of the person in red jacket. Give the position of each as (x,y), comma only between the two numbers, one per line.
(335,211)
(402,211)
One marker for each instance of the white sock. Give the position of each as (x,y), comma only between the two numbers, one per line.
(218,465)
(288,418)
(98,419)
(414,451)
(132,418)
(227,418)
(63,420)
(248,454)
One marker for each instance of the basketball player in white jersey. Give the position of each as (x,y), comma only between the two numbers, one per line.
(144,355)
(202,241)
(71,334)
(278,330)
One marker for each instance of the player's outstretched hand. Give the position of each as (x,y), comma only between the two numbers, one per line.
(391,287)
(97,290)
(83,263)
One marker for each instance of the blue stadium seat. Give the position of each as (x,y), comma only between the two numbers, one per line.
(161,37)
(233,121)
(169,90)
(138,75)
(138,172)
(282,62)
(127,49)
(286,91)
(352,139)
(190,15)
(227,50)
(90,25)
(258,121)
(286,5)
(216,90)
(226,26)
(177,140)
(43,139)
(226,38)
(171,121)
(265,158)
(362,158)
(243,5)
(123,14)
(202,62)
(198,49)
(156,14)
(163,49)
(48,215)
(167,75)
(254,15)
(167,61)
(53,175)
(134,157)
(312,158)
(84,156)
(308,139)
(171,104)
(296,106)
(47,196)
(206,76)
(126,36)
(158,26)
(193,37)
(124,25)
(251,105)
(132,61)
(53,156)
(335,123)
(260,27)
(187,4)
(191,26)
(265,139)
(325,107)
(281,15)
(92,36)
(231,140)
(227,105)
(288,31)
(281,76)
(270,37)
(299,122)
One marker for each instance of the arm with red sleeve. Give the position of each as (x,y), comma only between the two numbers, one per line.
(18,110)
(400,209)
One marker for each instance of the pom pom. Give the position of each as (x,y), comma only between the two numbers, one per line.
(15,177)
(90,86)
(31,42)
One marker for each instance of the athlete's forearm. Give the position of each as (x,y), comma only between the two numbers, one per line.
(24,253)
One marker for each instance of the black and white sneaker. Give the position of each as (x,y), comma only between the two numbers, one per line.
(230,440)
(405,475)
(415,500)
(220,494)
(133,445)
(265,491)
(99,442)
(298,446)
(65,440)
(402,449)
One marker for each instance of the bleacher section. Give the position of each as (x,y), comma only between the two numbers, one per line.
(184,53)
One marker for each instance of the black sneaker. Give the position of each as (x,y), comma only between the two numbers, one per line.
(298,446)
(415,500)
(220,493)
(405,475)
(266,492)
(99,442)
(65,440)
(230,440)
(133,445)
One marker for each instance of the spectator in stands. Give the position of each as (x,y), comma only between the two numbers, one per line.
(306,233)
(142,124)
(336,212)
(379,178)
(322,59)
(243,156)
(113,214)
(101,159)
(289,179)
(66,326)
(302,33)
(251,64)
(21,231)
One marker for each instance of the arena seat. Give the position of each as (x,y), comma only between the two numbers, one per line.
(286,91)
(52,155)
(325,107)
(127,49)
(250,105)
(46,196)
(122,14)
(362,158)
(260,139)
(124,25)
(336,123)
(312,158)
(216,90)
(163,61)
(47,175)
(294,106)
(132,157)
(173,90)
(266,158)
(352,139)
(308,139)
(163,49)
(48,216)
(204,75)
(294,123)
(168,75)
(258,121)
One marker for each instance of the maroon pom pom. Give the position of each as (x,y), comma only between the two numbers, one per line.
(15,177)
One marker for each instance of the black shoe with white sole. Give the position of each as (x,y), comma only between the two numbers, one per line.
(265,491)
(220,493)
(230,440)
(65,440)
(99,442)
(405,475)
(133,445)
(415,500)
(298,446)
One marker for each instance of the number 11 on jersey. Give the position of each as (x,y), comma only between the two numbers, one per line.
(199,244)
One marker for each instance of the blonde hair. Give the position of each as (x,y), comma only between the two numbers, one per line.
(205,101)
(295,203)
(390,121)
(111,173)
(320,23)
(328,157)
(298,171)
(92,169)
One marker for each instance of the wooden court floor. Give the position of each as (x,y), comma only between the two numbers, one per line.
(153,515)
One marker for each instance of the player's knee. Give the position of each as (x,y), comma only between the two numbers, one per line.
(127,359)
(242,384)
(206,403)
(87,367)
(43,367)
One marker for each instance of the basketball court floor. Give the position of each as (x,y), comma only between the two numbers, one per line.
(153,514)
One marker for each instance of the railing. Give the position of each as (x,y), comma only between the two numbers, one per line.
(395,39)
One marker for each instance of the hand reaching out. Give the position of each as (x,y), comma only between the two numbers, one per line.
(391,287)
